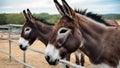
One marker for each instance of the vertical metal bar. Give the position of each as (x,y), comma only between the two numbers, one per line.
(9,43)
(24,58)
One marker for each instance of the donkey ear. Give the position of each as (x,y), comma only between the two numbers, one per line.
(31,17)
(25,14)
(68,10)
(59,7)
(29,14)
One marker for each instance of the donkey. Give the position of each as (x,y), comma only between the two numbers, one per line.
(112,22)
(35,28)
(87,32)
(32,29)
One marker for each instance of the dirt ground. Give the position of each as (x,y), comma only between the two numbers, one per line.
(34,59)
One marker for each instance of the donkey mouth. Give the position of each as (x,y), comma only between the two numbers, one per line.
(23,48)
(52,62)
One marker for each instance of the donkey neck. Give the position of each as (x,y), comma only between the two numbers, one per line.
(91,26)
(44,31)
(91,29)
(92,32)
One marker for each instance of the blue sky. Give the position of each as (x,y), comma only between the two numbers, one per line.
(39,6)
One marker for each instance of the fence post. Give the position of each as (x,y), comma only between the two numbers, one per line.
(24,58)
(9,42)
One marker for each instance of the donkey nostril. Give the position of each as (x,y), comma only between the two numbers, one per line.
(57,60)
(20,45)
(23,48)
(47,58)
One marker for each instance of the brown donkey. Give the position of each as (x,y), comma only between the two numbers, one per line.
(87,32)
(112,22)
(35,28)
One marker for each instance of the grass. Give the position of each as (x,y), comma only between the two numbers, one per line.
(118,20)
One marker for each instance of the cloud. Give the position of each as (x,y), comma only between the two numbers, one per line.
(98,6)
(38,6)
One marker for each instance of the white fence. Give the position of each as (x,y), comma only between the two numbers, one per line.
(16,29)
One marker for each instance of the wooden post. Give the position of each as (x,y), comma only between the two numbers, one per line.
(9,43)
(24,58)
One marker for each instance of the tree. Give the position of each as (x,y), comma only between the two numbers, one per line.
(15,19)
(3,19)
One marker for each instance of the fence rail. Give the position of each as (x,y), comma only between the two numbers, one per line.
(9,31)
(14,58)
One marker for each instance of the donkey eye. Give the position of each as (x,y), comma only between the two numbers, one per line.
(27,29)
(63,31)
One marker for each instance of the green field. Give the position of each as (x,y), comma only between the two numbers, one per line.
(118,20)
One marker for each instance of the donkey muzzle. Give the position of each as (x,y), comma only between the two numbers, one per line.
(51,62)
(23,48)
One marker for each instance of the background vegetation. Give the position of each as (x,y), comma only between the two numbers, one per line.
(19,18)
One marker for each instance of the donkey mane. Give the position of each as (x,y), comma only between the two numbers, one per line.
(43,21)
(93,16)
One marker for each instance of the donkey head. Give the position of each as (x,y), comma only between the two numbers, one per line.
(65,37)
(28,34)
